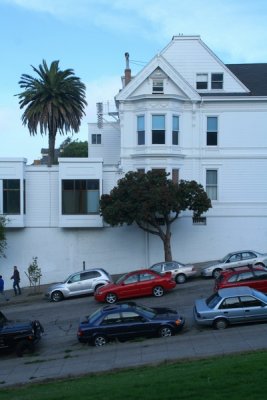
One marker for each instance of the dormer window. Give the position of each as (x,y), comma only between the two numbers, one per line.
(157,86)
(216,81)
(202,81)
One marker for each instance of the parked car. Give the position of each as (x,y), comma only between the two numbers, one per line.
(231,306)
(235,259)
(144,282)
(128,320)
(181,272)
(255,277)
(79,283)
(18,335)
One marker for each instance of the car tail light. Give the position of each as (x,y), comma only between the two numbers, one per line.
(80,333)
(178,322)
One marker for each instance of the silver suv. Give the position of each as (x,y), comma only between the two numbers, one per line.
(79,283)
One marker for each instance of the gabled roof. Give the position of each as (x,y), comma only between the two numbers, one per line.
(253,76)
(158,62)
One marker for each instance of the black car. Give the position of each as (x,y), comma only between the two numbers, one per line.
(124,321)
(19,335)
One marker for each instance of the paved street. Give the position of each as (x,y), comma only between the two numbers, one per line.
(60,355)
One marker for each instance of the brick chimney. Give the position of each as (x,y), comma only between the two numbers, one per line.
(127,71)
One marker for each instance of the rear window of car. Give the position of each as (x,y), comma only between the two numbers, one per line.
(157,268)
(213,300)
(90,275)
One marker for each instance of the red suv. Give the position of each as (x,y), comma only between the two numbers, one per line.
(254,277)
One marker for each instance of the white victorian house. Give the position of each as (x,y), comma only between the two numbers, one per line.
(186,112)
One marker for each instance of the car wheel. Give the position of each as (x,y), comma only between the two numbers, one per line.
(165,331)
(216,273)
(158,291)
(181,278)
(57,296)
(111,298)
(100,340)
(220,323)
(24,346)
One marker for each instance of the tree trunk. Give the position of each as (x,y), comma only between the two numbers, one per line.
(167,244)
(51,149)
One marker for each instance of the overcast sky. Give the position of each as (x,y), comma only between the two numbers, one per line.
(91,37)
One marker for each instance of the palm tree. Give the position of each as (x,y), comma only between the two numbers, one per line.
(55,101)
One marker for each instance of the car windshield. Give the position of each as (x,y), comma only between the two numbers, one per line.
(93,317)
(121,279)
(213,300)
(225,258)
(149,312)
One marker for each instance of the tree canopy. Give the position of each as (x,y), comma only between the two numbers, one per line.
(153,202)
(74,148)
(54,101)
(3,242)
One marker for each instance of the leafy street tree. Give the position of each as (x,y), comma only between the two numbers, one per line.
(153,202)
(73,148)
(54,101)
(3,242)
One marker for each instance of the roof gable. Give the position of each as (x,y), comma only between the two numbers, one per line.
(182,88)
(190,55)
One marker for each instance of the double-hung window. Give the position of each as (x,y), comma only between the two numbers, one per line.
(202,81)
(212,131)
(216,81)
(80,196)
(158,87)
(212,183)
(175,130)
(11,196)
(140,129)
(158,129)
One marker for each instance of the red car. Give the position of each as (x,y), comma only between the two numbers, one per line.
(139,283)
(254,277)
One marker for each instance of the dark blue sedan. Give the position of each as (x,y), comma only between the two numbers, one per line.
(129,320)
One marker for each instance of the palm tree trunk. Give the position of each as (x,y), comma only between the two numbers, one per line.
(51,149)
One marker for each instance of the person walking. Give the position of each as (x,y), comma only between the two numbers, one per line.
(16,281)
(2,287)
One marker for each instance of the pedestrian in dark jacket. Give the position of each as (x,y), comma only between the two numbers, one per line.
(2,287)
(16,281)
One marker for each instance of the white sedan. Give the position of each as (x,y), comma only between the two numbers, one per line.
(180,272)
(235,259)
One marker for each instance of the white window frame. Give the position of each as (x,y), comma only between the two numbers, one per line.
(216,82)
(212,131)
(158,86)
(200,78)
(97,136)
(159,130)
(175,131)
(139,132)
(211,186)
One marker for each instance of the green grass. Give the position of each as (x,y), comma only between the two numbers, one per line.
(241,376)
